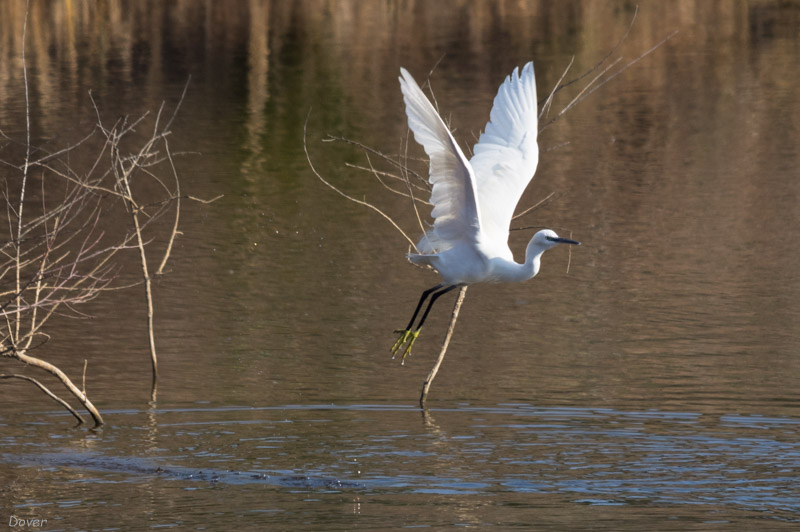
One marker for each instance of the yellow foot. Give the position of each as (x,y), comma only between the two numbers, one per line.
(405,336)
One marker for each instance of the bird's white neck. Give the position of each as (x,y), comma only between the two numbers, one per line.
(533,260)
(514,272)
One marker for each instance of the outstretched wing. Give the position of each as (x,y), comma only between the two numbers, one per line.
(454,193)
(506,154)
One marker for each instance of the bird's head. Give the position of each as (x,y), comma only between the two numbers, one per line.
(547,238)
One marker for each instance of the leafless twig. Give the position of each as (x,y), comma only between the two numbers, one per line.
(47,392)
(347,196)
(59,251)
(462,293)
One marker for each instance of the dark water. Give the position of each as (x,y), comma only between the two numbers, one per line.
(653,385)
(389,466)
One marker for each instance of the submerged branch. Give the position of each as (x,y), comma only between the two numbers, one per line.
(426,386)
(60,375)
(47,392)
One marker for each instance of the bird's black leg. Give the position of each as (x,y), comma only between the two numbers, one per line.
(435,296)
(422,299)
(406,335)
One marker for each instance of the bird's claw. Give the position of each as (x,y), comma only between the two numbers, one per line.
(405,336)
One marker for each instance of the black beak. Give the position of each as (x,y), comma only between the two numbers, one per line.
(564,241)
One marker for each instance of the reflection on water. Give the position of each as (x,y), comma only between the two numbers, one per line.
(467,462)
(657,380)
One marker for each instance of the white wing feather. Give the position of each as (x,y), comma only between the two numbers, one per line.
(506,156)
(454,193)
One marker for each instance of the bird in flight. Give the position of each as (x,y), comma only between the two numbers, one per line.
(474,199)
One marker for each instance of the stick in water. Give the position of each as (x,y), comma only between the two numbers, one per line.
(432,375)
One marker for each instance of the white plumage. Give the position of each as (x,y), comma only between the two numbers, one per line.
(474,200)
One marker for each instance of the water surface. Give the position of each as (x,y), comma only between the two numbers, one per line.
(653,384)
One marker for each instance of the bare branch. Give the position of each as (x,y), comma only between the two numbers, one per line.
(378,173)
(428,82)
(60,375)
(533,207)
(180,102)
(59,252)
(462,293)
(548,102)
(177,206)
(47,392)
(401,166)
(360,202)
(596,83)
(579,97)
(605,57)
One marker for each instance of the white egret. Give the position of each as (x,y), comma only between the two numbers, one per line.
(474,200)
